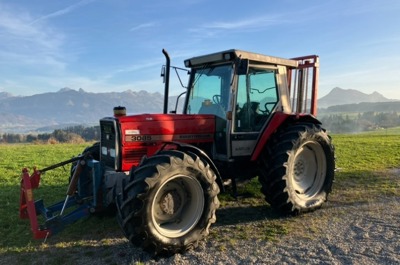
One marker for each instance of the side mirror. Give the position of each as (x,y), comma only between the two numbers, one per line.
(163,73)
(242,67)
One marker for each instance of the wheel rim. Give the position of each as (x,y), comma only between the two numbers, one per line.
(309,169)
(178,206)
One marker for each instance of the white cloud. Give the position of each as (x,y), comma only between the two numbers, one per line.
(37,43)
(142,26)
(254,23)
(63,11)
(133,68)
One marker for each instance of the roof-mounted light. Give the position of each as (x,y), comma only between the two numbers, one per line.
(187,63)
(227,56)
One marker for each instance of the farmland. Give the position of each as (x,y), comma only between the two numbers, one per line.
(367,166)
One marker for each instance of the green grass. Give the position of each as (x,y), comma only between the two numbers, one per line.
(364,163)
(16,234)
(16,237)
(367,152)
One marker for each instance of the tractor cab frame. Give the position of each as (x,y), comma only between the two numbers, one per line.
(244,91)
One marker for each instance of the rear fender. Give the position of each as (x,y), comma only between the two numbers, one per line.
(278,120)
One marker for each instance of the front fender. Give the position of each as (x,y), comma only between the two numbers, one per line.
(200,153)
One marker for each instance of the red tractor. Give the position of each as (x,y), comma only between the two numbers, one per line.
(245,115)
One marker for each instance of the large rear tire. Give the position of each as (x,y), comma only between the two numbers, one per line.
(297,168)
(169,203)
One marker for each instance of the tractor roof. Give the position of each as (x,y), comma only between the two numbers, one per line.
(230,55)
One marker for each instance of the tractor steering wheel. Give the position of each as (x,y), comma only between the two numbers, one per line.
(267,111)
(216,99)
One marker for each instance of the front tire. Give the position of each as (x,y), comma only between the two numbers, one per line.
(297,168)
(169,203)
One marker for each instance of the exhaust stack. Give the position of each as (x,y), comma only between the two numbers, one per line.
(166,89)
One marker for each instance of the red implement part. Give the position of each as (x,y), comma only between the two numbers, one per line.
(27,208)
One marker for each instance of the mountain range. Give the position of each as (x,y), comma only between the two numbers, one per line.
(67,107)
(339,96)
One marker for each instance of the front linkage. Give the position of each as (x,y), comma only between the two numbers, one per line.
(55,216)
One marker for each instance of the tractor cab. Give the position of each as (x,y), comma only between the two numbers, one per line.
(243,90)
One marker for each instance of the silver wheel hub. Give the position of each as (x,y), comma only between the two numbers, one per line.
(170,203)
(177,206)
(309,169)
(299,168)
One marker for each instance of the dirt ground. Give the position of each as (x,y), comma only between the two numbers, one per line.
(361,233)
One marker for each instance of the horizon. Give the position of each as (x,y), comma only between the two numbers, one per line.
(161,92)
(103,46)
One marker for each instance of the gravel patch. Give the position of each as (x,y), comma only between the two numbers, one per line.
(367,233)
(361,233)
(338,233)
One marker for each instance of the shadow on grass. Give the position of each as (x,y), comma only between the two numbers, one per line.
(118,252)
(98,240)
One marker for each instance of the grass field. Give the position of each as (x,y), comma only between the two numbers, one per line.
(364,163)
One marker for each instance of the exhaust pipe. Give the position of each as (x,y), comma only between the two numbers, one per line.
(166,89)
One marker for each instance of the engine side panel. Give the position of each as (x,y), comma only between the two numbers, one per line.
(145,134)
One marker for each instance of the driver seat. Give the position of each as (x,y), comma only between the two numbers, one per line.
(207,107)
(247,116)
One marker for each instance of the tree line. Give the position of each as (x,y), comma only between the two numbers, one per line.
(334,123)
(361,122)
(73,134)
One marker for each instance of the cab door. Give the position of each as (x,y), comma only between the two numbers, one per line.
(256,98)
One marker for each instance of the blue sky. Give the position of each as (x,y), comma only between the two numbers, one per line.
(115,45)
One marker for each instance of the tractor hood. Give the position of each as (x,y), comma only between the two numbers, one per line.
(166,127)
(126,139)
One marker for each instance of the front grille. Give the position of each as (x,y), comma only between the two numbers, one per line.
(109,142)
(134,155)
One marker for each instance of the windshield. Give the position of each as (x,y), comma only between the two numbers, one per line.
(209,93)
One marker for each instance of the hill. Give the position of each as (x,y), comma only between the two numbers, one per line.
(364,107)
(339,96)
(68,106)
